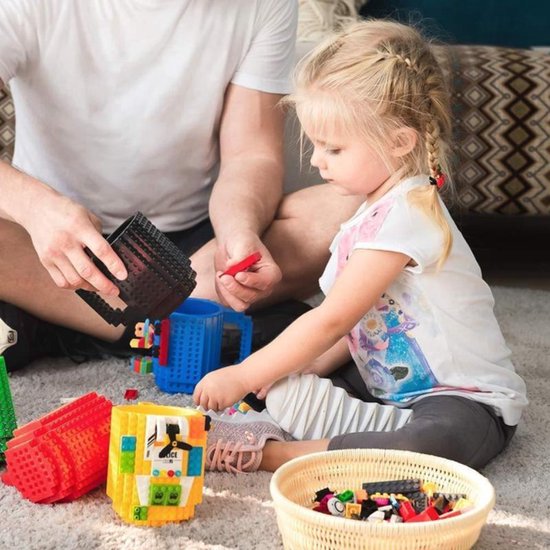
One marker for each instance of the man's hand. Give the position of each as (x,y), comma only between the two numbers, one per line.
(221,388)
(60,233)
(246,287)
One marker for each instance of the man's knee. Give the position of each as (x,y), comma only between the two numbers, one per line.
(16,249)
(202,262)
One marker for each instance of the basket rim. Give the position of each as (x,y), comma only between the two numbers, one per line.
(306,514)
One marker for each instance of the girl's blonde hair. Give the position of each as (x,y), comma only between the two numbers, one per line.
(375,77)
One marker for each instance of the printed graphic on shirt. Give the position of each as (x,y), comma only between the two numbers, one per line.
(388,356)
(364,232)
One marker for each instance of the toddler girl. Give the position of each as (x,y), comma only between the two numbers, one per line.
(404,294)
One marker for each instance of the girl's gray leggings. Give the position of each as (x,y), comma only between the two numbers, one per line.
(443,425)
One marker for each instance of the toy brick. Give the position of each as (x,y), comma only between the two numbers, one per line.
(7,413)
(131,394)
(429,514)
(141,365)
(376,517)
(244,407)
(243,265)
(164,342)
(441,504)
(196,427)
(194,462)
(353,510)
(157,494)
(173,495)
(420,503)
(78,408)
(63,454)
(407,511)
(346,496)
(166,477)
(190,345)
(146,365)
(336,507)
(429,488)
(403,486)
(252,400)
(319,495)
(367,508)
(127,462)
(128,443)
(140,513)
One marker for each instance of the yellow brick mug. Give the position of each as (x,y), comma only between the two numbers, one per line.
(156,462)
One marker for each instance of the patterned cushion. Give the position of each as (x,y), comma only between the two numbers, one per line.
(501,104)
(7,125)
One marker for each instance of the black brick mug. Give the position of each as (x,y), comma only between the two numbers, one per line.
(160,276)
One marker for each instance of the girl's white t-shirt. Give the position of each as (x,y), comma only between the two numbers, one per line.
(118,102)
(432,332)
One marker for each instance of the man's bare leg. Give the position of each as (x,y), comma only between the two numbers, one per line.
(298,239)
(25,283)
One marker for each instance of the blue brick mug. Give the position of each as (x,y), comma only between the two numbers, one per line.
(194,343)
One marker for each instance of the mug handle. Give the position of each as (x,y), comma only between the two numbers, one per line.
(113,316)
(244,322)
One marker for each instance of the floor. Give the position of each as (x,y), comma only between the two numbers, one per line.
(520,280)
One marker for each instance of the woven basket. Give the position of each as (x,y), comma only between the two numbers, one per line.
(294,485)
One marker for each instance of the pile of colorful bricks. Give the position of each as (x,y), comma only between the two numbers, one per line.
(394,501)
(240,406)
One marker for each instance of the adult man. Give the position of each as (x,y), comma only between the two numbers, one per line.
(168,107)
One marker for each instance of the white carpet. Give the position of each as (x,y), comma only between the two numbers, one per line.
(237,511)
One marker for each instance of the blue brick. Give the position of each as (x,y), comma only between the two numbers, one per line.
(194,464)
(128,443)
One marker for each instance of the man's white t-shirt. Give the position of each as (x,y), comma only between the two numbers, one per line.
(118,102)
(432,332)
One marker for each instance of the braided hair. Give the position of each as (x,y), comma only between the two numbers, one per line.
(375,77)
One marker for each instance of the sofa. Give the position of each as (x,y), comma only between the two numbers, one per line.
(501,109)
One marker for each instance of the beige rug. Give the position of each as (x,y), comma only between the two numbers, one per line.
(237,512)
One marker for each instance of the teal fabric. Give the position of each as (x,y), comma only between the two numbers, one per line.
(490,22)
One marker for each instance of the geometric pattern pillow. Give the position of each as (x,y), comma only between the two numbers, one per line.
(501,127)
(7,126)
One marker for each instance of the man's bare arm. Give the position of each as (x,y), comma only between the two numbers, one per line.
(248,190)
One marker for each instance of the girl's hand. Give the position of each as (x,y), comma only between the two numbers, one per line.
(262,392)
(221,388)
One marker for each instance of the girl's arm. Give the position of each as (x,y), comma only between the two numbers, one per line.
(326,363)
(365,277)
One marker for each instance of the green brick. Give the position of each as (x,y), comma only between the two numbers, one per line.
(157,494)
(7,413)
(146,366)
(173,495)
(164,495)
(140,513)
(127,462)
